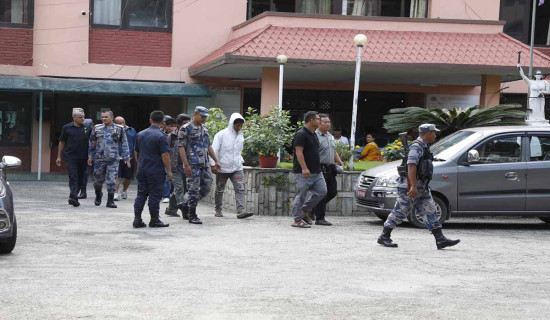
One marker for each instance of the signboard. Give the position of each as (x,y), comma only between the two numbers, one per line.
(450,101)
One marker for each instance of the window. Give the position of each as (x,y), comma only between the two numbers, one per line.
(256,7)
(145,15)
(387,8)
(500,150)
(15,119)
(17,13)
(517,14)
(539,148)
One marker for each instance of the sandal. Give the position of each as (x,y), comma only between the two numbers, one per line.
(307,220)
(244,215)
(300,224)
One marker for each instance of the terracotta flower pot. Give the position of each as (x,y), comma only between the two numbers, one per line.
(268,162)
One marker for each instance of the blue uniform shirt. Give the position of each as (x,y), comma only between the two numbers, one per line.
(131,136)
(76,141)
(150,145)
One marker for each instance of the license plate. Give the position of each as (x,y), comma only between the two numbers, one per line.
(361,193)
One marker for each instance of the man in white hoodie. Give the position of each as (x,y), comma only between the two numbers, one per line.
(228,146)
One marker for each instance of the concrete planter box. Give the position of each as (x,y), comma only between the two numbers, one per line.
(271,192)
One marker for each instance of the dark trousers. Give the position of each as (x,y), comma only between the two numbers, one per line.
(76,169)
(321,208)
(149,186)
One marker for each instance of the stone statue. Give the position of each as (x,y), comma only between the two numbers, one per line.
(537,89)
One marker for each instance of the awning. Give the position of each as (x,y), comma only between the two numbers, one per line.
(325,54)
(114,87)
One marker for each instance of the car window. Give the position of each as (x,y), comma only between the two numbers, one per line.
(539,148)
(500,150)
(448,146)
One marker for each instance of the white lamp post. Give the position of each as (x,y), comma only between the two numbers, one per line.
(360,40)
(281,60)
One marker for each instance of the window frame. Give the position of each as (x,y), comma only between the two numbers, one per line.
(523,157)
(30,18)
(124,20)
(530,135)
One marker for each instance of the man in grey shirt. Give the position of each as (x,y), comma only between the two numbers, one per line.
(328,156)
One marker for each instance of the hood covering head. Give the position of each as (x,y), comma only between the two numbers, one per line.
(232,119)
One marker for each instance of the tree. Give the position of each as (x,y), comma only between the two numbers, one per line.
(449,121)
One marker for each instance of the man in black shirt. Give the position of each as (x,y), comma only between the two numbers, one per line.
(74,145)
(310,183)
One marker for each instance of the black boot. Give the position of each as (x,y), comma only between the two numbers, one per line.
(385,238)
(184,211)
(155,221)
(441,241)
(98,196)
(111,200)
(74,202)
(172,209)
(193,216)
(138,223)
(83,194)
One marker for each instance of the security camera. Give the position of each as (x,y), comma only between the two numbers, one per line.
(83,13)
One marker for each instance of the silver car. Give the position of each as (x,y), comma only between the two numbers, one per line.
(484,171)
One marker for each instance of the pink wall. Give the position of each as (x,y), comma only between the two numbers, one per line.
(464,9)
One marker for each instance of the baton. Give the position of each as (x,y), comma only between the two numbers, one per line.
(519,57)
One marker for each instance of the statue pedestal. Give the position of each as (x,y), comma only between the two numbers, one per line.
(538,123)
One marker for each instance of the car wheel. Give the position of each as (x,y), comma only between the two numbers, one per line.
(545,219)
(441,212)
(381,216)
(7,247)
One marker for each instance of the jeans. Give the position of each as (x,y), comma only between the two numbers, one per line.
(308,193)
(237,178)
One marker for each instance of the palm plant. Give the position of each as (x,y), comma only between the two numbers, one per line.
(449,121)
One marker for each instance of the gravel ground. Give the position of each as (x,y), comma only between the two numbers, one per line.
(88,262)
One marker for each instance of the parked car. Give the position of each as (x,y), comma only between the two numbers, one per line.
(8,222)
(484,171)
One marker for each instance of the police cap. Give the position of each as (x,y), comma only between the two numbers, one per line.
(202,110)
(427,127)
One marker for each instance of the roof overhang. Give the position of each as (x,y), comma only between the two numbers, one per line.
(112,87)
(316,54)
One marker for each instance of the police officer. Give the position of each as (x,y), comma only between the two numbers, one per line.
(194,150)
(413,190)
(177,198)
(153,160)
(74,145)
(108,144)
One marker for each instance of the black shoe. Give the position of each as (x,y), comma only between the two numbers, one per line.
(441,241)
(74,202)
(138,223)
(184,211)
(385,238)
(323,222)
(156,223)
(193,216)
(98,196)
(244,215)
(171,213)
(83,194)
(111,201)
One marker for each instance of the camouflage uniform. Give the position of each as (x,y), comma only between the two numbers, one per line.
(195,140)
(423,203)
(111,145)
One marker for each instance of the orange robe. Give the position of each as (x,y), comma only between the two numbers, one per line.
(371,152)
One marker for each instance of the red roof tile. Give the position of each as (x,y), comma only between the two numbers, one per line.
(407,47)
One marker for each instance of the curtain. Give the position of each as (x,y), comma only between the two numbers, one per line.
(107,12)
(366,7)
(316,6)
(418,8)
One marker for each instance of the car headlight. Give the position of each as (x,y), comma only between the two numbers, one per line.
(390,181)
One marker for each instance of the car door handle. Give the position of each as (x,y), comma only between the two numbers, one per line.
(511,175)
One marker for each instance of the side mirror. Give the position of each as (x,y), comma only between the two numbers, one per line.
(10,162)
(473,156)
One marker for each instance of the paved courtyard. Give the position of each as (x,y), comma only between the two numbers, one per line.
(88,262)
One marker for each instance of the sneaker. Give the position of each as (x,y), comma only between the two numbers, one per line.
(124,195)
(218,214)
(165,200)
(117,197)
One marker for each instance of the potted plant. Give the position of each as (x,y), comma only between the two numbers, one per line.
(266,134)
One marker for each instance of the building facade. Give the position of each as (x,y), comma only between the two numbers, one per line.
(134,56)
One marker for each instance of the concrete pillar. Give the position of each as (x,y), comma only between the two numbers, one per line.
(270,89)
(46,150)
(490,90)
